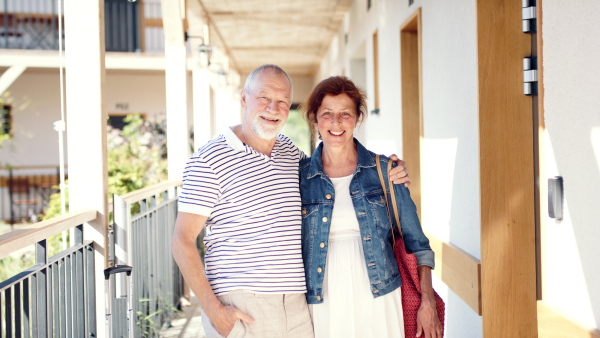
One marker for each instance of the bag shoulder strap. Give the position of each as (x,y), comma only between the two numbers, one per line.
(392,199)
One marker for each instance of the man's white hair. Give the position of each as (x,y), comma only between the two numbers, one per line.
(251,79)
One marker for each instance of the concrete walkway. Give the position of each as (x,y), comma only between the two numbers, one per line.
(187,324)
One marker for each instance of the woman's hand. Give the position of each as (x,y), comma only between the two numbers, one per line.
(428,322)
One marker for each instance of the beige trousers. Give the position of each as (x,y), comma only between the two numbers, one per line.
(275,315)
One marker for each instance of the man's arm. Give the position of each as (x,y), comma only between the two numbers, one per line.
(399,174)
(187,229)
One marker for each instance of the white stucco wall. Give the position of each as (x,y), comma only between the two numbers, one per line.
(571,51)
(35,100)
(450,147)
(450,152)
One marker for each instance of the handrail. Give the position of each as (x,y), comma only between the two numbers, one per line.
(460,271)
(138,195)
(28,235)
(30,166)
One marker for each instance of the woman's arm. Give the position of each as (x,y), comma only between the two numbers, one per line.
(428,322)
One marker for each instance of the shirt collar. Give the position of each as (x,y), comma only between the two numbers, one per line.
(233,141)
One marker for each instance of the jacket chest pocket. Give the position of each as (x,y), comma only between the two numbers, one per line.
(379,212)
(310,213)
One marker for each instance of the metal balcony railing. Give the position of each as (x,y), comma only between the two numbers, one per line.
(142,232)
(130,26)
(55,297)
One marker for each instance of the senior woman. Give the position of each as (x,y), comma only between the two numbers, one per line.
(351,273)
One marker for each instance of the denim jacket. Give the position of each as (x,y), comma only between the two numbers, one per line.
(318,195)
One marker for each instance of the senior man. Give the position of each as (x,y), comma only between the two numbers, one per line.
(243,186)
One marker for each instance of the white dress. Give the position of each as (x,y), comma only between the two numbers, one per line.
(349,308)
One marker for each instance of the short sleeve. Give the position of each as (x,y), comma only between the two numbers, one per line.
(200,190)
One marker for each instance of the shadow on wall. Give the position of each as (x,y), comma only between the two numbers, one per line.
(578,162)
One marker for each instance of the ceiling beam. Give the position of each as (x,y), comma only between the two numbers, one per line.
(209,21)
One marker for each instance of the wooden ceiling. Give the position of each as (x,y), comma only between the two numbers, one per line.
(294,34)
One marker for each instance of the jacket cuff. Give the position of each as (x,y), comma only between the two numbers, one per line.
(425,257)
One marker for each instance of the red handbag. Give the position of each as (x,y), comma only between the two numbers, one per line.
(407,264)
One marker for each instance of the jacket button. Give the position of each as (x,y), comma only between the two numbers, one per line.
(324,219)
(328,196)
(303,211)
(319,270)
(322,245)
(319,298)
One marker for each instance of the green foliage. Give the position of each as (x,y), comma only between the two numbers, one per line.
(54,208)
(12,265)
(137,158)
(136,155)
(150,323)
(296,128)
(25,258)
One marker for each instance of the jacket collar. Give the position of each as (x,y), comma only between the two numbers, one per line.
(365,160)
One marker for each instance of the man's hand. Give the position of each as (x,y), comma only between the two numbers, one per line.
(224,318)
(428,323)
(187,228)
(399,174)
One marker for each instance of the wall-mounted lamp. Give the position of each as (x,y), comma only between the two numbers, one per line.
(204,50)
(204,54)
(220,73)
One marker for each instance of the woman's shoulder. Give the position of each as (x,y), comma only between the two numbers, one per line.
(304,163)
(384,159)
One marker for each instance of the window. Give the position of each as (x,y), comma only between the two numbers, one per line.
(5,122)
(117,120)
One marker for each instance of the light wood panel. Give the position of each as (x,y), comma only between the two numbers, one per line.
(412,120)
(376,70)
(506,173)
(460,271)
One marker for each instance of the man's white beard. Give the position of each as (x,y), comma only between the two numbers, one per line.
(264,132)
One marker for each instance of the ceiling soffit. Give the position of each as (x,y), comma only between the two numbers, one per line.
(293,34)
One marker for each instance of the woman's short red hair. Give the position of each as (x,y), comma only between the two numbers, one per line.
(334,86)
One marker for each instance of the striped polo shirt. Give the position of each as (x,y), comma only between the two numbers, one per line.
(253,239)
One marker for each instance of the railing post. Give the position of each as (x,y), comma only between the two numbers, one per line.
(121,250)
(41,258)
(10,196)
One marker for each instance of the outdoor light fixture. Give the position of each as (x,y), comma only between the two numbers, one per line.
(221,74)
(204,50)
(204,53)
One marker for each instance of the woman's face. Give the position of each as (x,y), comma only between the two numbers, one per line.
(336,120)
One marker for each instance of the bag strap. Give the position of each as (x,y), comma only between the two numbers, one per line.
(392,195)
